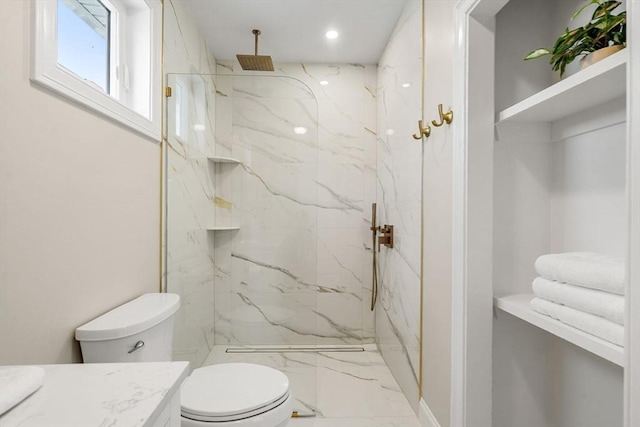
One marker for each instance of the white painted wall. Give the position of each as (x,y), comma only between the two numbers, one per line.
(632,352)
(79,210)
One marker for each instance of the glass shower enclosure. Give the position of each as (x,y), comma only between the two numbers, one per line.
(241,213)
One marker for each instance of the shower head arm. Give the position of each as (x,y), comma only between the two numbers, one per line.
(256,33)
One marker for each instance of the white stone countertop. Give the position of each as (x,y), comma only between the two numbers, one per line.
(99,394)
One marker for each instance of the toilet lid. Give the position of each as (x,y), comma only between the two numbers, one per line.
(231,391)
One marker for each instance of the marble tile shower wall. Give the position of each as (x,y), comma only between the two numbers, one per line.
(399,199)
(316,287)
(190,192)
(298,270)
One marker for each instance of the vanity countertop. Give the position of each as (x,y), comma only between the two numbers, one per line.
(99,394)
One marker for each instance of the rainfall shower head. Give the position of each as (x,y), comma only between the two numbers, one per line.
(255,62)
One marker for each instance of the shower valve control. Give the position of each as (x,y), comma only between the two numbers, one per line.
(386,236)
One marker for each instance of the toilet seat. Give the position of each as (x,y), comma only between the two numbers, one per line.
(232,391)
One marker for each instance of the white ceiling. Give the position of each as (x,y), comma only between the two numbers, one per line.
(293,30)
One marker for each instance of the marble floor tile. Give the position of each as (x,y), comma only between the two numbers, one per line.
(344,389)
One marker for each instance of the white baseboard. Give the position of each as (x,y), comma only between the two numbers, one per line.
(426,417)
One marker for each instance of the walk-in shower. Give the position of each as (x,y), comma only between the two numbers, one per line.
(248,212)
(270,180)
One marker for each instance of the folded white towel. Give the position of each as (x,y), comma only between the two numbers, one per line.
(587,269)
(604,304)
(17,383)
(594,325)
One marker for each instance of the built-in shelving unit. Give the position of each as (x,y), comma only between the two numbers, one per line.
(595,85)
(220,159)
(215,228)
(520,306)
(544,166)
(558,156)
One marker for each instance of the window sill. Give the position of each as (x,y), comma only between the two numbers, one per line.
(46,71)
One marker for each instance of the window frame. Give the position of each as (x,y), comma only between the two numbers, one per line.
(46,71)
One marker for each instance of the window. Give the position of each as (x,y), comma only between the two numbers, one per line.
(83,40)
(103,53)
(189,108)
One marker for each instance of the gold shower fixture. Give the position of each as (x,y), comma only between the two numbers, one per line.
(255,62)
(386,236)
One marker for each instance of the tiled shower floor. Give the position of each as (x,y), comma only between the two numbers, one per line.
(345,389)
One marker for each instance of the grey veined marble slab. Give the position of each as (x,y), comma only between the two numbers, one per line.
(99,394)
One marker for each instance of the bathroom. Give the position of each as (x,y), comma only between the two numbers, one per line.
(124,214)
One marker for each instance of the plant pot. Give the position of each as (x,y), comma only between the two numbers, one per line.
(599,54)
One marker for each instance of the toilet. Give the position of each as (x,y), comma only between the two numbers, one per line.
(228,394)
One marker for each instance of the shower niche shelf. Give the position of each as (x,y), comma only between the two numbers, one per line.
(220,228)
(220,159)
(519,306)
(221,170)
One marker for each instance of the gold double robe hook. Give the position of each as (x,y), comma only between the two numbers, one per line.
(422,131)
(444,117)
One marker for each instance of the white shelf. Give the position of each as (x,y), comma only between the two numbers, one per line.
(519,306)
(597,84)
(223,228)
(219,159)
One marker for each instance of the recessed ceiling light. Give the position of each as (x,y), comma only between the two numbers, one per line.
(331,34)
(300,130)
(324,82)
(390,132)
(406,84)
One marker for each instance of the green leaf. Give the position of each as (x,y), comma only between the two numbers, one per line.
(604,29)
(604,9)
(619,38)
(617,19)
(589,3)
(537,53)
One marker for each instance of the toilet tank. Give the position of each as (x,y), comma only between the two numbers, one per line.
(138,331)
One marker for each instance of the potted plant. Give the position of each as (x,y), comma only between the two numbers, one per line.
(604,30)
